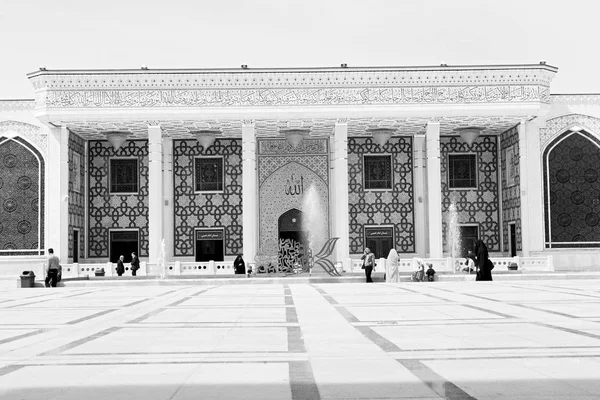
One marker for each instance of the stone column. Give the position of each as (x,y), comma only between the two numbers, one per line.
(434,190)
(531,185)
(155,193)
(420,178)
(249,192)
(339,203)
(57,193)
(168,197)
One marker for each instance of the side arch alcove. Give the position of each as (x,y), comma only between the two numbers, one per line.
(22,171)
(571,163)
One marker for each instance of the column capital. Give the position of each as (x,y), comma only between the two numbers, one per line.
(247,123)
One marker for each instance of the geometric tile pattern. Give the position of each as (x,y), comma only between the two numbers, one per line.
(474,206)
(116,211)
(511,194)
(572,190)
(393,206)
(21,199)
(456,340)
(207,210)
(76,197)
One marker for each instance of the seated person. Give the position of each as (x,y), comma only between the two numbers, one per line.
(469,263)
(419,274)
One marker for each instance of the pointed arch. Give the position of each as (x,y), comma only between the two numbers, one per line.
(21,197)
(571,164)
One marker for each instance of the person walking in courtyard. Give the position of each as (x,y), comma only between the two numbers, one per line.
(482,261)
(52,269)
(239,266)
(368,263)
(135,264)
(120,266)
(391,265)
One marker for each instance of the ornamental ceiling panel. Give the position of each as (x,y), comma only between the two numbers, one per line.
(182,129)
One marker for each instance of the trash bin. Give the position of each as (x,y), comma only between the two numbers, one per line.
(27,279)
(99,272)
(513,266)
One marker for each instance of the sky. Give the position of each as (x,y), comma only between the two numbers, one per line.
(92,34)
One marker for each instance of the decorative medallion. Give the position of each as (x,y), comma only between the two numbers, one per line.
(24,227)
(10,161)
(590,175)
(9,246)
(24,182)
(577,198)
(592,219)
(10,205)
(35,204)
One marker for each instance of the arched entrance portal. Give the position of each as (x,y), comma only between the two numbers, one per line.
(572,191)
(292,239)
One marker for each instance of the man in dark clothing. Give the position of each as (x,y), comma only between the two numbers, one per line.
(52,269)
(120,266)
(135,264)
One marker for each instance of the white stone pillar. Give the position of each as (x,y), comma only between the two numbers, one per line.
(419,176)
(339,203)
(531,185)
(168,198)
(57,193)
(155,192)
(434,190)
(249,192)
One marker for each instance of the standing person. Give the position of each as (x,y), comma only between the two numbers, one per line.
(120,266)
(368,263)
(239,266)
(482,261)
(135,264)
(430,272)
(392,266)
(52,269)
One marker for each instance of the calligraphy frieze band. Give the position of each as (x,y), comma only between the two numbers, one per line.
(294,96)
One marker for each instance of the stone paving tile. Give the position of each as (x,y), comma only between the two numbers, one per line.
(446,340)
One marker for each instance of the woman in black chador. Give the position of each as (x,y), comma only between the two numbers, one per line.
(239,265)
(482,261)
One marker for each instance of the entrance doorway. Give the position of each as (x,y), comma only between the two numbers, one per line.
(123,243)
(293,239)
(512,238)
(75,245)
(209,245)
(468,236)
(380,240)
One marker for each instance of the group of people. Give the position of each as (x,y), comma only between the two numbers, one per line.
(477,261)
(135,265)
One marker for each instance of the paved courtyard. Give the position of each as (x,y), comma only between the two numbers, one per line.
(460,340)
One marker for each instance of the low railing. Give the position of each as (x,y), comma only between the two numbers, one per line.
(541,264)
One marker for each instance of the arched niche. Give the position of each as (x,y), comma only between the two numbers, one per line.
(571,165)
(21,197)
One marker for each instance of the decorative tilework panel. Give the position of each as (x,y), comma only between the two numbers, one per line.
(76,197)
(511,197)
(381,207)
(474,206)
(21,197)
(207,210)
(573,195)
(286,189)
(113,211)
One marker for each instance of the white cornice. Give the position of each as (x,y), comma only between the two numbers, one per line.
(314,78)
